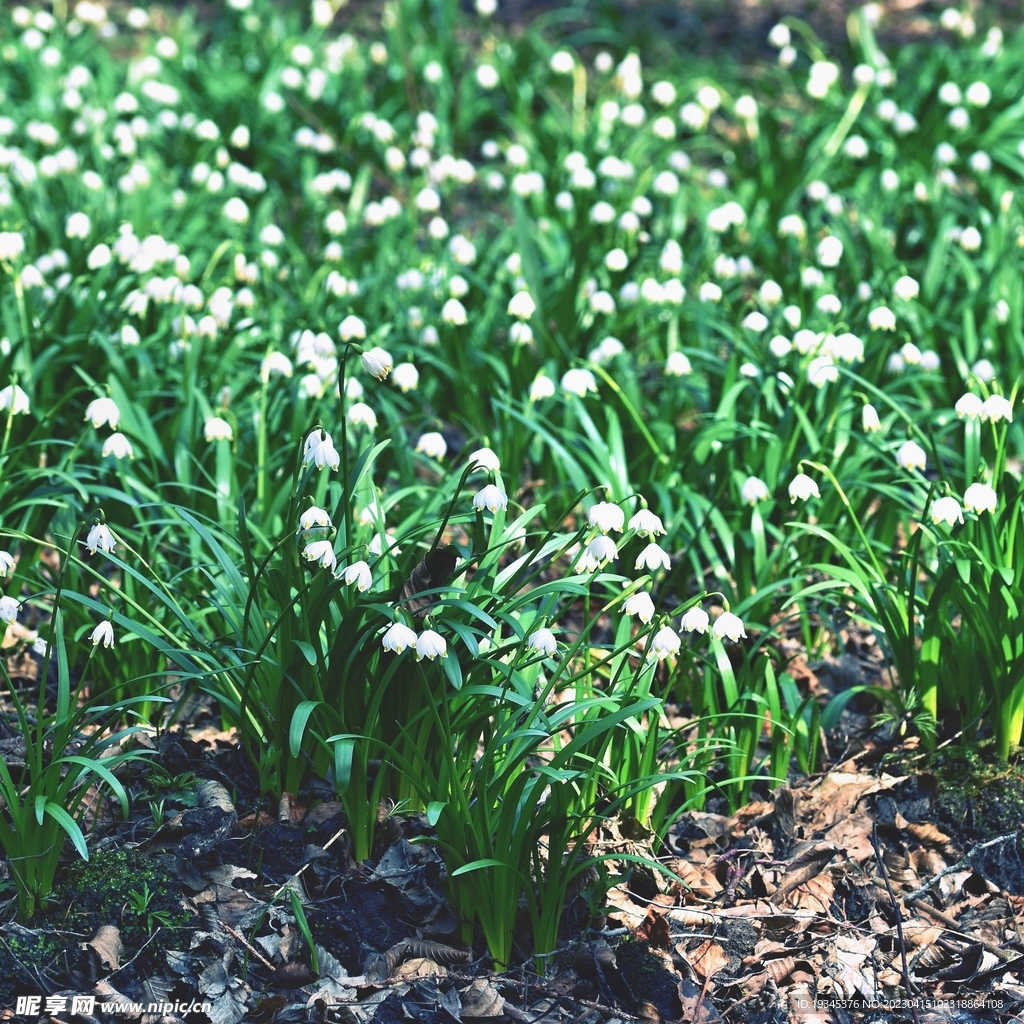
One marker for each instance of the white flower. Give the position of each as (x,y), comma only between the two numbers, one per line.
(754,490)
(695,620)
(911,456)
(946,510)
(578,382)
(906,288)
(770,293)
(980,498)
(490,497)
(454,312)
(236,210)
(980,163)
(100,538)
(653,557)
(745,107)
(728,625)
(541,388)
(666,642)
(103,633)
(830,251)
(822,371)
(119,446)
(12,245)
(807,341)
(321,552)
(969,406)
(646,523)
(486,460)
(431,645)
(792,226)
(793,316)
(99,257)
(78,225)
(847,348)
(103,410)
(9,609)
(13,399)
(601,549)
(359,574)
(856,146)
(780,347)
(487,76)
(543,641)
(319,449)
(870,423)
(562,62)
(6,563)
(314,518)
(406,377)
(218,429)
(432,444)
(803,487)
(882,319)
(830,304)
(377,362)
(755,321)
(641,606)
(996,408)
(607,516)
(812,277)
(978,94)
(522,306)
(779,36)
(982,369)
(520,333)
(678,365)
(398,637)
(970,239)
(710,292)
(361,415)
(352,328)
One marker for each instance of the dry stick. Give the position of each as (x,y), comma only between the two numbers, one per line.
(963,862)
(245,942)
(899,922)
(953,927)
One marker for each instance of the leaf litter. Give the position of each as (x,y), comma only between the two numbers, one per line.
(850,896)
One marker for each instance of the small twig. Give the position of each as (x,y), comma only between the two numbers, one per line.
(953,927)
(137,955)
(963,862)
(248,945)
(899,922)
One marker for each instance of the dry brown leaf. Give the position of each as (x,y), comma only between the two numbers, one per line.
(805,866)
(707,959)
(482,999)
(420,967)
(655,929)
(104,950)
(816,894)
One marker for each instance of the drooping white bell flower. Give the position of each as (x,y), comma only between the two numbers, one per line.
(543,641)
(911,456)
(803,487)
(980,498)
(398,637)
(431,645)
(728,626)
(695,620)
(607,516)
(103,633)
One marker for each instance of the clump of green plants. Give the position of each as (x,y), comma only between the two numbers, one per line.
(485,419)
